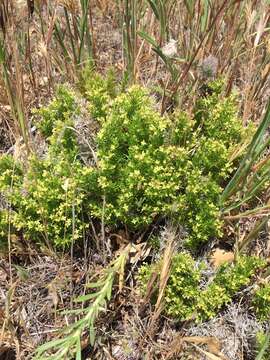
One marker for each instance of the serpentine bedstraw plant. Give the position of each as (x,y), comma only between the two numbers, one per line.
(69,346)
(263,340)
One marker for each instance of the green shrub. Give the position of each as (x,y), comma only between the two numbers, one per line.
(48,201)
(229,279)
(52,208)
(212,157)
(63,142)
(261,302)
(4,227)
(11,172)
(184,296)
(48,205)
(212,138)
(144,274)
(139,174)
(149,166)
(99,91)
(152,166)
(182,131)
(11,176)
(216,116)
(182,290)
(62,108)
(263,345)
(200,213)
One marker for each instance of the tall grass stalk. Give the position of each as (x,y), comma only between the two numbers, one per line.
(75,35)
(251,177)
(234,32)
(14,90)
(244,173)
(130,41)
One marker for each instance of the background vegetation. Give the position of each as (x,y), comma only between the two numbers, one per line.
(134,179)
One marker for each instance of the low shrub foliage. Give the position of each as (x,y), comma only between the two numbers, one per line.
(47,196)
(261,301)
(187,298)
(149,166)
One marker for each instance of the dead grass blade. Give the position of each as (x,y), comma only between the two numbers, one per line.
(213,345)
(164,276)
(209,355)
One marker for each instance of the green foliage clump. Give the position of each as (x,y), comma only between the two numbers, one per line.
(153,166)
(139,174)
(149,166)
(4,227)
(263,345)
(216,116)
(201,213)
(185,298)
(198,209)
(99,91)
(51,204)
(219,133)
(183,290)
(261,302)
(11,174)
(229,279)
(211,139)
(48,200)
(61,108)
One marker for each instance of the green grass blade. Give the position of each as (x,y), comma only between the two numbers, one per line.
(265,348)
(253,153)
(70,36)
(83,29)
(78,350)
(50,345)
(86,297)
(154,8)
(148,38)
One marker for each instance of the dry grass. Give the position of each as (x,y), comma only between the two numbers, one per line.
(46,47)
(30,304)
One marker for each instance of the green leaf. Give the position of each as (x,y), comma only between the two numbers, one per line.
(204,17)
(95,284)
(79,350)
(92,333)
(50,345)
(76,325)
(109,291)
(254,151)
(86,297)
(154,8)
(74,311)
(264,347)
(148,38)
